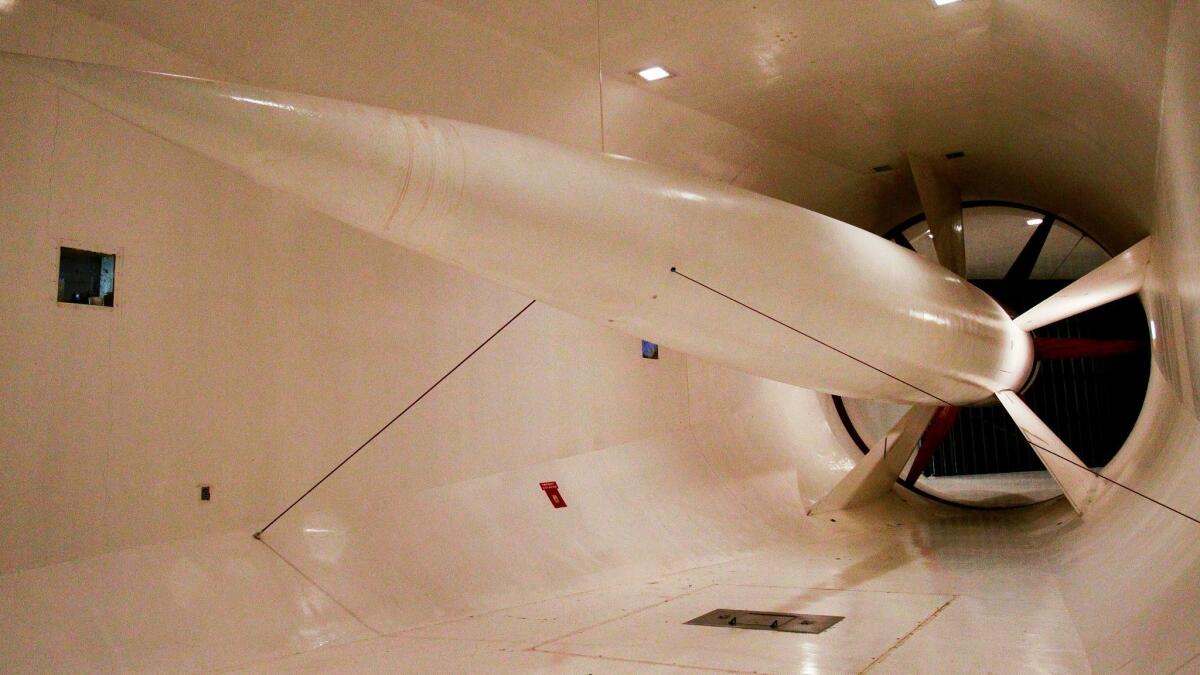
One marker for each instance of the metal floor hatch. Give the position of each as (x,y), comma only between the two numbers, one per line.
(776,621)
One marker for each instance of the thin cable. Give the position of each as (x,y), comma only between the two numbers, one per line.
(322,589)
(1118,484)
(600,69)
(1090,470)
(258,535)
(797,330)
(1064,258)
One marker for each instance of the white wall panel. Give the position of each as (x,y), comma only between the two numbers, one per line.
(1130,571)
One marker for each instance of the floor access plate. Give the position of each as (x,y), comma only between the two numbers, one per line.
(776,621)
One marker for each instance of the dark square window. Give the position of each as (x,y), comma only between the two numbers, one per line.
(86,277)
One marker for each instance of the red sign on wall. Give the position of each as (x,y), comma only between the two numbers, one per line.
(551,490)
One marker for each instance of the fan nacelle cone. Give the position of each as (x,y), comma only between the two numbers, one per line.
(762,286)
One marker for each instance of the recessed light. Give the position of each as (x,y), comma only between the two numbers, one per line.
(1033,221)
(939,3)
(654,73)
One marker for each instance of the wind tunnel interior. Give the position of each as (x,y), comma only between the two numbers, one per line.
(253,343)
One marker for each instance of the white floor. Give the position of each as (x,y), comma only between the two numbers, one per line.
(968,594)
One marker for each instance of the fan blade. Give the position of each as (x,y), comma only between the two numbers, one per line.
(1120,277)
(1022,267)
(1047,349)
(942,204)
(933,437)
(1071,474)
(875,473)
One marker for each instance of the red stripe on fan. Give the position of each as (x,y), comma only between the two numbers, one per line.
(935,433)
(1075,348)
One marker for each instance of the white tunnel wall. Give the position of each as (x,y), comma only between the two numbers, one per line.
(1129,572)
(681,498)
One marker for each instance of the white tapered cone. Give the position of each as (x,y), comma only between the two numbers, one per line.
(715,271)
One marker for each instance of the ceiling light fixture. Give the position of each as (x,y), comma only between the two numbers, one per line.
(939,3)
(1033,221)
(654,73)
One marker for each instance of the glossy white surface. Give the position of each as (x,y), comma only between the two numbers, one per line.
(1141,555)
(241,356)
(199,605)
(941,201)
(1118,278)
(1054,103)
(906,591)
(1005,81)
(1131,563)
(1173,293)
(600,236)
(875,474)
(712,489)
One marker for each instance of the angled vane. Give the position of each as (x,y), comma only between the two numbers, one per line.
(878,470)
(1071,474)
(1120,277)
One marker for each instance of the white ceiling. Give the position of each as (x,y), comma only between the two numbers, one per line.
(1055,102)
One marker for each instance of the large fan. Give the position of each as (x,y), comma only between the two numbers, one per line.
(923,430)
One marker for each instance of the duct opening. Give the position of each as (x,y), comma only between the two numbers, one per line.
(86,277)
